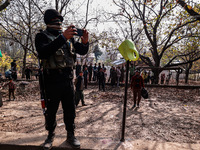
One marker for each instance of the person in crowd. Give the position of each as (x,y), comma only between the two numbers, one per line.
(57,50)
(145,76)
(90,69)
(14,70)
(118,75)
(101,79)
(113,77)
(95,71)
(103,66)
(99,67)
(78,68)
(178,72)
(122,74)
(79,95)
(85,75)
(105,74)
(11,88)
(148,77)
(28,73)
(8,74)
(85,65)
(111,69)
(137,83)
(36,73)
(162,78)
(168,78)
(152,78)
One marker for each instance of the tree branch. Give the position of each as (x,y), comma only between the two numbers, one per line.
(189,9)
(4,5)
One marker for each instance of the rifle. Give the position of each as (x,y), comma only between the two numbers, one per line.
(42,88)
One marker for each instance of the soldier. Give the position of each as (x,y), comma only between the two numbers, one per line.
(57,50)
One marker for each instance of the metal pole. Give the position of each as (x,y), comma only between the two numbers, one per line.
(125,102)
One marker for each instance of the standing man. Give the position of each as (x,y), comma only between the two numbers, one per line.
(118,75)
(162,78)
(12,88)
(111,69)
(85,65)
(28,73)
(90,72)
(79,83)
(101,79)
(85,76)
(137,83)
(14,70)
(57,50)
(113,77)
(78,68)
(99,67)
(122,74)
(95,72)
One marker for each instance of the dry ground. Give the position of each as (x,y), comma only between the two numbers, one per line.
(169,115)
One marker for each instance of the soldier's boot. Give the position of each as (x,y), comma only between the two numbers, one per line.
(71,139)
(48,142)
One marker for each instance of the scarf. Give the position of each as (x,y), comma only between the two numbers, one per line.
(55,27)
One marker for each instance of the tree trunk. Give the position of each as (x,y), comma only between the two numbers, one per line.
(156,71)
(24,64)
(187,75)
(187,72)
(156,76)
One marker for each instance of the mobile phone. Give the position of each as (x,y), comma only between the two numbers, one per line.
(79,31)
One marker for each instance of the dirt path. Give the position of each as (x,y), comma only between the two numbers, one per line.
(169,115)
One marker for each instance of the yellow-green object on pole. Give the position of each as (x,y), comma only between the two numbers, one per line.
(0,54)
(128,50)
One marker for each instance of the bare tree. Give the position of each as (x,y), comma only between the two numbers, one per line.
(163,24)
(21,24)
(83,21)
(189,9)
(4,5)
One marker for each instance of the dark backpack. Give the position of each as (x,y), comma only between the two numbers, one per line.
(144,93)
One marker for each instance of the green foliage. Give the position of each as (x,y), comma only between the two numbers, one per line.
(5,61)
(0,54)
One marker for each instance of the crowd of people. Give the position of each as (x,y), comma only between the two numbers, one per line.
(150,79)
(115,75)
(99,73)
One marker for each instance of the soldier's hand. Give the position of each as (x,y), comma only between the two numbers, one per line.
(84,38)
(69,32)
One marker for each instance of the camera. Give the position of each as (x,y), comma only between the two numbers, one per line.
(79,32)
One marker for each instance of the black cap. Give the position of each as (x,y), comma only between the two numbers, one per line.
(51,14)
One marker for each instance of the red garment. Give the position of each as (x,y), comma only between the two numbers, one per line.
(163,76)
(11,85)
(137,82)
